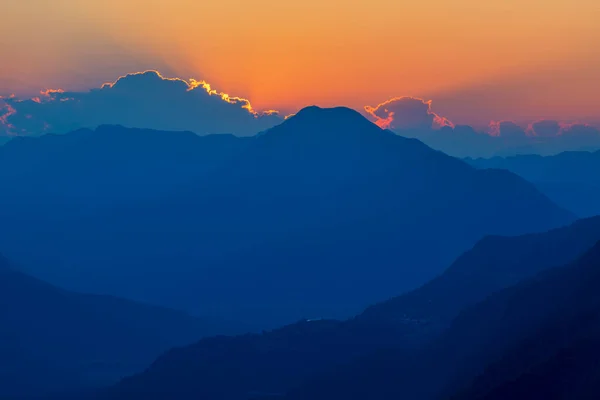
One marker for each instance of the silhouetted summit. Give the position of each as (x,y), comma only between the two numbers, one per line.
(340,120)
(338,128)
(317,217)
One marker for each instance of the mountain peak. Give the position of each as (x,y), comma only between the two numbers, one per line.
(333,123)
(329,111)
(339,115)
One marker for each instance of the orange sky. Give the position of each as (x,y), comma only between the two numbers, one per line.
(511,58)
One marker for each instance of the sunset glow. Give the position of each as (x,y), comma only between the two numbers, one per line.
(529,55)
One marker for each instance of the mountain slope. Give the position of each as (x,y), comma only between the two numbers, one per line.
(555,309)
(519,332)
(317,217)
(570,372)
(494,263)
(86,169)
(559,358)
(570,178)
(53,339)
(277,361)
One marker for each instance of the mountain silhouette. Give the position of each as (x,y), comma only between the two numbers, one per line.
(568,371)
(509,140)
(316,217)
(494,263)
(555,352)
(518,338)
(278,361)
(54,340)
(570,179)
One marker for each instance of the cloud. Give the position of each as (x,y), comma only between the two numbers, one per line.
(145,100)
(552,128)
(413,117)
(506,129)
(6,112)
(545,128)
(406,113)
(579,130)
(555,92)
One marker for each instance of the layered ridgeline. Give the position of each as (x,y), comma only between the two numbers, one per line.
(570,179)
(555,354)
(52,340)
(316,359)
(537,339)
(317,217)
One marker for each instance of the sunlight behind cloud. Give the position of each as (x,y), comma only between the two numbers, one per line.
(258,49)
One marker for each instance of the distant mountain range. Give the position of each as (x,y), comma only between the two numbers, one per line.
(317,217)
(510,140)
(570,179)
(450,321)
(54,340)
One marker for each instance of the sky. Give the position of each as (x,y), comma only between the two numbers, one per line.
(477,61)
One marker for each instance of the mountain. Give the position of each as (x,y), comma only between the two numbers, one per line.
(518,338)
(88,169)
(494,263)
(570,372)
(53,340)
(557,354)
(464,141)
(509,140)
(568,178)
(317,217)
(277,361)
(559,357)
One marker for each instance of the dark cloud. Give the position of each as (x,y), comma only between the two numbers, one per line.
(579,130)
(545,128)
(406,113)
(552,128)
(506,129)
(144,100)
(414,117)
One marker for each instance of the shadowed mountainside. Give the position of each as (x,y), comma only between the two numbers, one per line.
(53,340)
(523,332)
(570,179)
(551,326)
(316,217)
